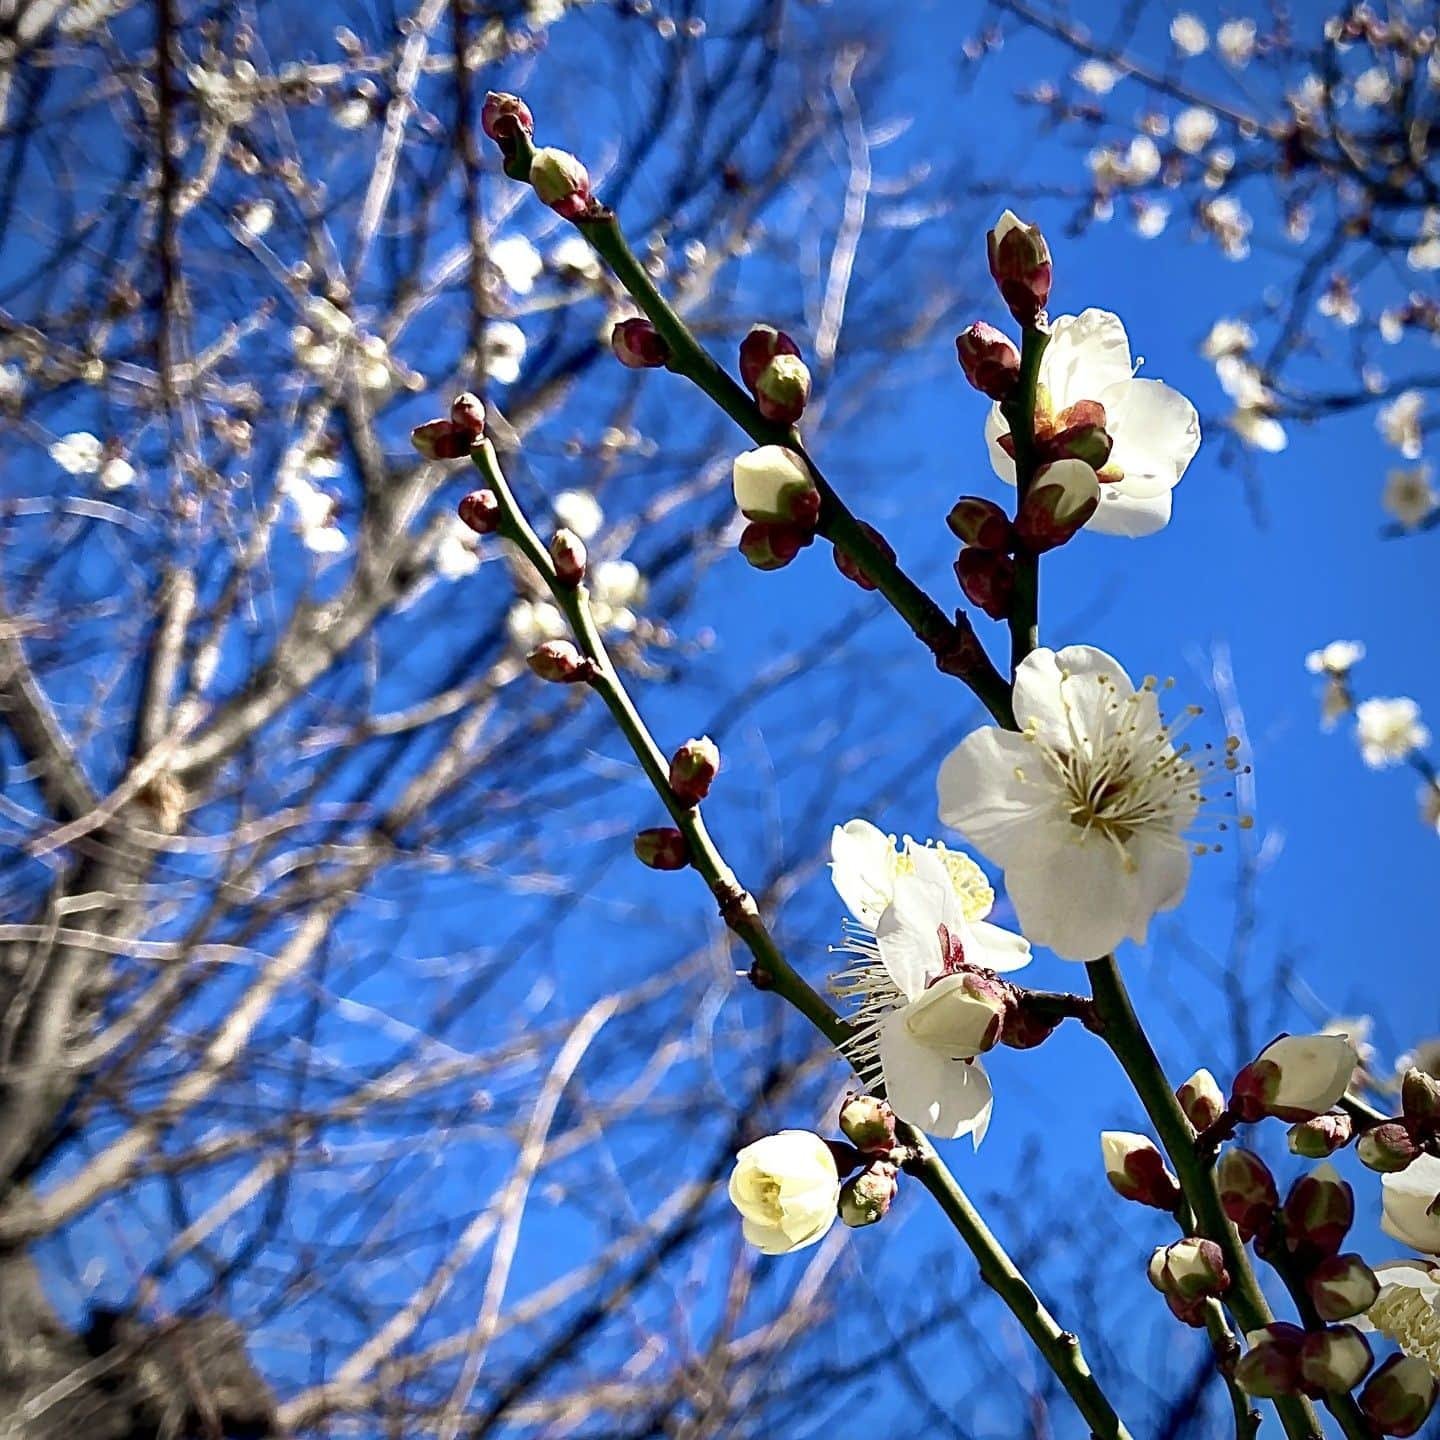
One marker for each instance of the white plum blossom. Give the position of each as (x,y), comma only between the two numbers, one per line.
(78,453)
(865,864)
(314,511)
(919,1022)
(529,622)
(1408,497)
(1235,40)
(1259,431)
(1424,254)
(579,511)
(1155,429)
(457,555)
(1407,1309)
(1151,218)
(517,261)
(1189,34)
(1399,423)
(1097,77)
(1085,808)
(255,218)
(117,473)
(573,256)
(1373,87)
(1339,657)
(786,1187)
(1195,128)
(1388,730)
(615,586)
(1227,337)
(1226,219)
(503,351)
(1407,1198)
(352,113)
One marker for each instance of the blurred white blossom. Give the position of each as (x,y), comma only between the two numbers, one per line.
(1189,34)
(518,262)
(1409,497)
(1399,423)
(1097,77)
(1388,730)
(504,351)
(579,511)
(1235,40)
(1194,128)
(1339,657)
(78,453)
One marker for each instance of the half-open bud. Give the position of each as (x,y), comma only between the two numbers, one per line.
(1136,1170)
(567,550)
(1061,498)
(987,578)
(989,359)
(770,546)
(1420,1101)
(467,410)
(504,116)
(1398,1397)
(759,348)
(480,510)
(1192,1269)
(1318,1213)
(867,1197)
(851,568)
(1342,1286)
(1334,1360)
(775,484)
(1270,1367)
(959,1015)
(561,182)
(868,1123)
(1322,1136)
(560,661)
(1387,1148)
(441,440)
(981,522)
(638,345)
(1202,1099)
(782,389)
(693,769)
(1247,1191)
(662,848)
(1295,1077)
(1020,265)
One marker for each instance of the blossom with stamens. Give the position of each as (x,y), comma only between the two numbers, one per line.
(1155,429)
(1407,1309)
(927,998)
(1085,808)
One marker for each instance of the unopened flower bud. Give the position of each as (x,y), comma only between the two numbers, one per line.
(1270,1367)
(1247,1191)
(987,579)
(1322,1136)
(851,568)
(1028,1023)
(868,1123)
(567,550)
(1420,1101)
(467,411)
(775,484)
(1079,433)
(1155,1270)
(959,1015)
(1061,498)
(1136,1170)
(1335,1359)
(768,546)
(759,348)
(1387,1148)
(480,510)
(1295,1077)
(559,660)
(1202,1099)
(561,182)
(1398,1397)
(638,345)
(981,522)
(504,116)
(1318,1213)
(782,389)
(662,848)
(989,359)
(1194,1268)
(441,440)
(1020,264)
(1342,1286)
(867,1197)
(693,769)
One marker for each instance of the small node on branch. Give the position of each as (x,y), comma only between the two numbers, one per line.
(662,848)
(560,661)
(761,977)
(990,360)
(480,510)
(693,769)
(851,568)
(1136,1170)
(987,579)
(1020,266)
(567,552)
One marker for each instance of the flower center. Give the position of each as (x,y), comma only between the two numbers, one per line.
(1411,1321)
(967,879)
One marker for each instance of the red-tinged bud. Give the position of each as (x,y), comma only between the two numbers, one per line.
(504,116)
(1398,1397)
(1061,498)
(759,348)
(1318,1213)
(1334,1360)
(467,412)
(959,1015)
(638,345)
(867,1197)
(441,440)
(1020,265)
(480,510)
(693,769)
(774,483)
(561,182)
(770,546)
(1247,1191)
(989,359)
(560,661)
(1420,1101)
(1202,1099)
(662,848)
(1322,1136)
(1342,1286)
(987,579)
(1090,443)
(868,1123)
(1295,1077)
(851,568)
(1387,1148)
(1193,1269)
(981,522)
(1270,1367)
(1028,1024)
(1188,1312)
(1136,1170)
(567,550)
(960,652)
(782,389)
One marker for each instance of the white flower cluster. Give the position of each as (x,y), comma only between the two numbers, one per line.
(81,453)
